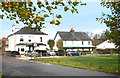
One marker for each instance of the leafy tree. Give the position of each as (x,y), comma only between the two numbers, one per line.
(51,44)
(60,44)
(112,21)
(31,13)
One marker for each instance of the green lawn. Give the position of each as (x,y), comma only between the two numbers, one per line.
(0,75)
(109,64)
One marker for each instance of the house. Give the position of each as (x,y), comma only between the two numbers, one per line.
(107,44)
(26,39)
(74,40)
(3,45)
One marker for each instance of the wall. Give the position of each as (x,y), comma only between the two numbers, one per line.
(15,39)
(73,43)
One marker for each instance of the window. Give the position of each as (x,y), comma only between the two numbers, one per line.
(82,42)
(21,39)
(65,42)
(22,49)
(29,40)
(6,42)
(88,42)
(40,39)
(18,49)
(109,41)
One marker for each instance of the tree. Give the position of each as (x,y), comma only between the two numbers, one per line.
(112,21)
(98,38)
(31,13)
(89,34)
(51,44)
(60,44)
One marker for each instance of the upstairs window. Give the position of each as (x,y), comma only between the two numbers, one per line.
(40,39)
(88,42)
(82,43)
(21,39)
(29,40)
(22,49)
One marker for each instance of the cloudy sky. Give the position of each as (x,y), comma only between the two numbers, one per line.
(84,21)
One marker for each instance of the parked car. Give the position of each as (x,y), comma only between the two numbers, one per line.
(51,52)
(60,53)
(74,53)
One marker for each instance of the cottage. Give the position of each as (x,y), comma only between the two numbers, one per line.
(107,44)
(26,39)
(74,40)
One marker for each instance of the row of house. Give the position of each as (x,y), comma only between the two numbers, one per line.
(26,39)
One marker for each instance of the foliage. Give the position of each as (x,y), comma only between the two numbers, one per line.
(60,44)
(108,63)
(31,13)
(112,20)
(51,44)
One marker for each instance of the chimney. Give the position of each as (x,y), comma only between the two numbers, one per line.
(43,29)
(13,28)
(72,31)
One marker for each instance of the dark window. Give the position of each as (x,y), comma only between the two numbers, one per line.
(22,49)
(40,39)
(88,42)
(18,49)
(21,39)
(82,42)
(29,40)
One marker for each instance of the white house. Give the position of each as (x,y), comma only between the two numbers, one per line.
(26,39)
(74,40)
(106,45)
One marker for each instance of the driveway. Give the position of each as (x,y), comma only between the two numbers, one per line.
(15,67)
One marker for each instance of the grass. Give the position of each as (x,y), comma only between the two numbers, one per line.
(108,64)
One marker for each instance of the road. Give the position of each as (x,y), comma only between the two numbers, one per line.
(14,67)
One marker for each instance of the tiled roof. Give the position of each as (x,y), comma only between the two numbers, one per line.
(68,36)
(26,30)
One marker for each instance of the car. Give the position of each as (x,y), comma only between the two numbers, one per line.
(51,52)
(74,53)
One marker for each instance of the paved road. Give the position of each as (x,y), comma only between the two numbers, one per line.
(25,68)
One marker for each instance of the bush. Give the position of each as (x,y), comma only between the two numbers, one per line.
(95,52)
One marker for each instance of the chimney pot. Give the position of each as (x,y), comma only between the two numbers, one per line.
(72,31)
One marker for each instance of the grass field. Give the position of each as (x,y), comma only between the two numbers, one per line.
(108,64)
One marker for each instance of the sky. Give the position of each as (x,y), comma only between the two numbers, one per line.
(85,21)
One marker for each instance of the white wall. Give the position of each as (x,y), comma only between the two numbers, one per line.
(15,39)
(11,43)
(68,43)
(34,38)
(106,45)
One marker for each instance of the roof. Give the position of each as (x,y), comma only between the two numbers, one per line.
(27,30)
(77,36)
